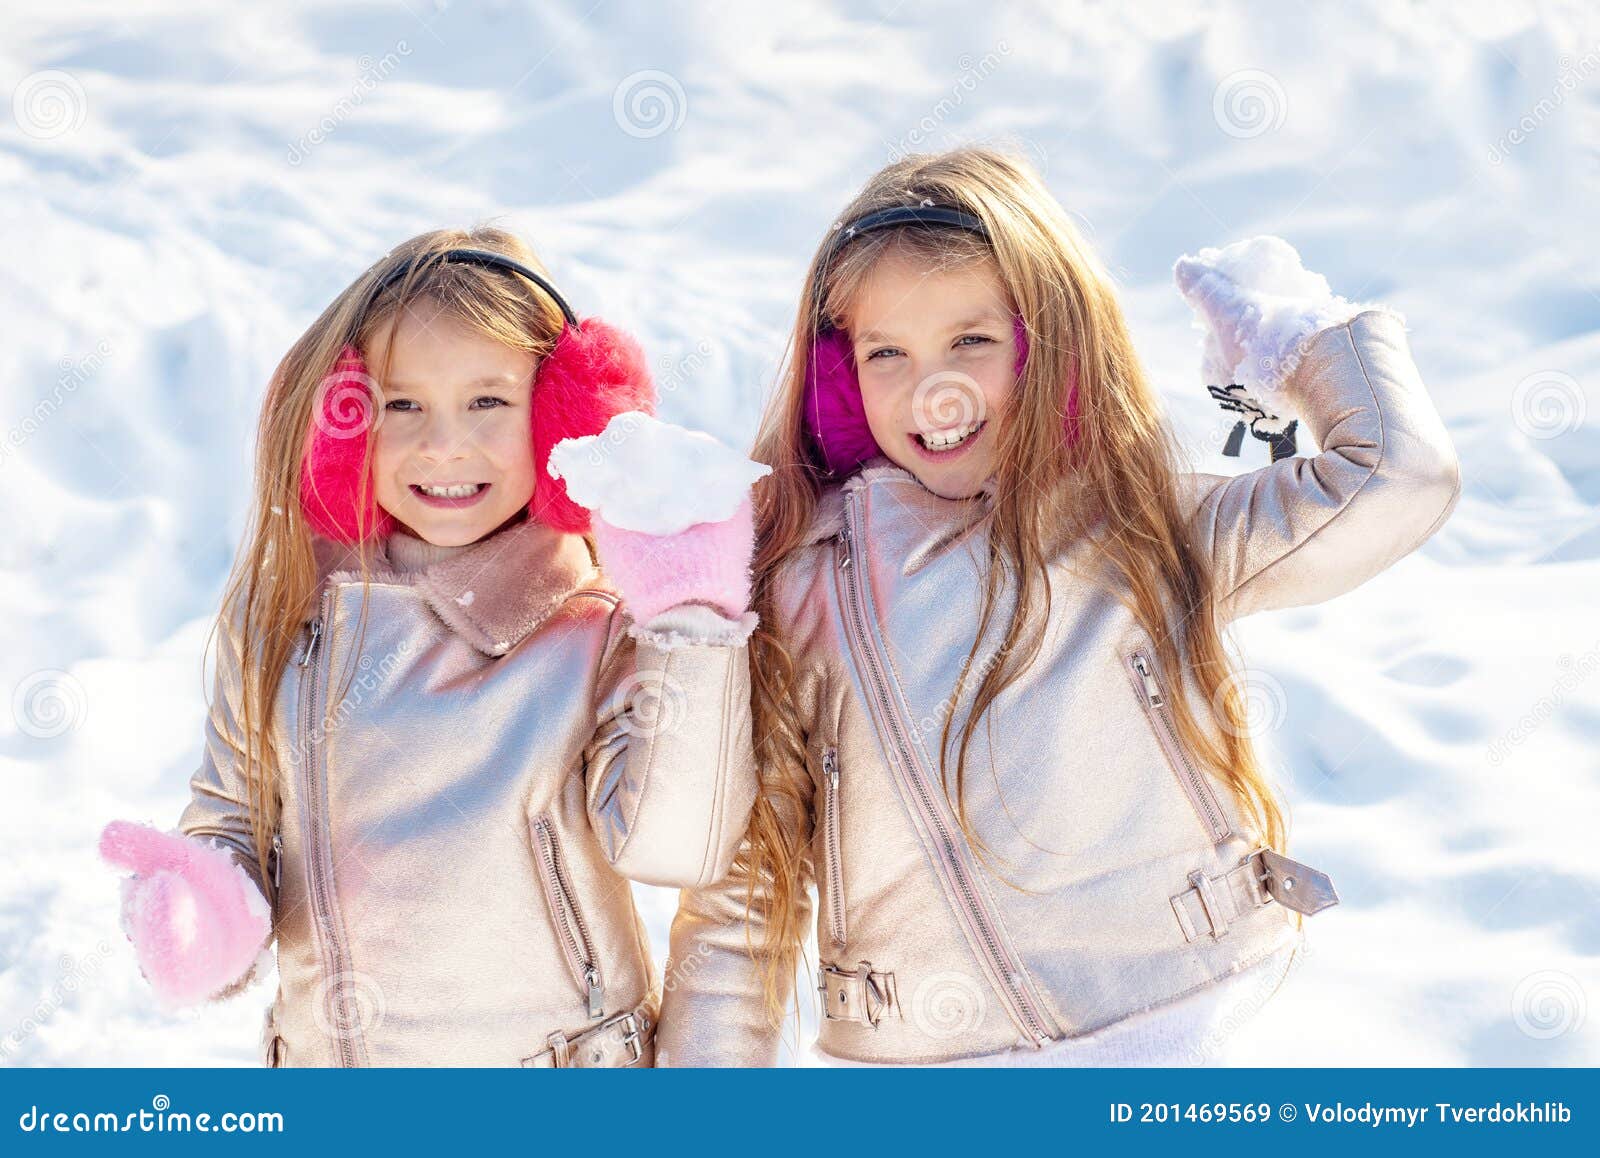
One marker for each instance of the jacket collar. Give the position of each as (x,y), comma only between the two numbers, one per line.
(495,593)
(939,521)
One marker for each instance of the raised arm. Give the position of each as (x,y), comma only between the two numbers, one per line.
(1306,529)
(670,774)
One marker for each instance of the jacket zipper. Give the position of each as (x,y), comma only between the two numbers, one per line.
(1020,1001)
(830,841)
(319,855)
(277,861)
(1160,713)
(569,921)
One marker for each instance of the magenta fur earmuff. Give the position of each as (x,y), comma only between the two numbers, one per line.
(836,417)
(594,373)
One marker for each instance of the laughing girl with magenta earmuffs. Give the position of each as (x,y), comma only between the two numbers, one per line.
(435,751)
(996,721)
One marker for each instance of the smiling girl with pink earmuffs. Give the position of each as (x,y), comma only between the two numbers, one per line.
(997,725)
(441,741)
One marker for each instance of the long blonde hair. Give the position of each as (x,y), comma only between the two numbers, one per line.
(1114,485)
(274,584)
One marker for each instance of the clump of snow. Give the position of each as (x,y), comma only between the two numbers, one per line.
(646,475)
(1269,265)
(1258,304)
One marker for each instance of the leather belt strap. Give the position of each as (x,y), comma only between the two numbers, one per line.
(859,995)
(616,1043)
(1211,904)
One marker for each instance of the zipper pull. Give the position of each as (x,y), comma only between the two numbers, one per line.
(311,644)
(830,767)
(1151,688)
(597,992)
(844,530)
(277,860)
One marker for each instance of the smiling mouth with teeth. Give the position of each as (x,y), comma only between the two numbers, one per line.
(449,494)
(943,441)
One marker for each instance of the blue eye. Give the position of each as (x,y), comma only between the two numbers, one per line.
(492,403)
(974,338)
(399,404)
(884,352)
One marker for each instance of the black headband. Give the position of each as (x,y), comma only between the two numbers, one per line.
(925,214)
(486,258)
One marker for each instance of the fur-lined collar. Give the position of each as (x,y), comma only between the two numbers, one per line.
(495,593)
(828,518)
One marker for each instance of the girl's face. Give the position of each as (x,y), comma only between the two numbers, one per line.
(453,458)
(935,355)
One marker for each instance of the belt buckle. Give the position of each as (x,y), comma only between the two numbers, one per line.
(564,1050)
(873,997)
(874,1000)
(634,1038)
(1260,874)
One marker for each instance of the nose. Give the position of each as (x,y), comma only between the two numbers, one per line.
(444,438)
(942,394)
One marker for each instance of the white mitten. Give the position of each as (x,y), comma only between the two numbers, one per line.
(1259,308)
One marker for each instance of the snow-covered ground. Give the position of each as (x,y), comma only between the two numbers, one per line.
(186,185)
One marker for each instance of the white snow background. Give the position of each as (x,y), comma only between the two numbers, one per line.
(185,186)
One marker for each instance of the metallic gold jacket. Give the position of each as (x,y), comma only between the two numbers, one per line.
(465,792)
(1119,875)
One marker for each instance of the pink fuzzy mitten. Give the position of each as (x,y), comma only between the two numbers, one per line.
(196,919)
(707,563)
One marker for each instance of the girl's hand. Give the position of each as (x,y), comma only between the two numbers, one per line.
(708,563)
(672,518)
(196,919)
(1260,308)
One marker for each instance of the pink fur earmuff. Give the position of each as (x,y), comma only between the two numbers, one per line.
(596,371)
(836,417)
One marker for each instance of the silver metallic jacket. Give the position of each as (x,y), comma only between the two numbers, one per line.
(465,792)
(1118,875)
